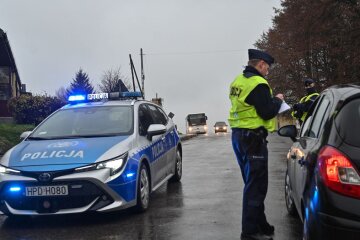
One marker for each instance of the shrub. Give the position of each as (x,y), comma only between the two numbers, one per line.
(27,109)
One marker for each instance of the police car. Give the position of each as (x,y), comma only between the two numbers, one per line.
(102,155)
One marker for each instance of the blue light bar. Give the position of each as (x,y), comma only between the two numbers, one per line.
(130,94)
(129,175)
(15,189)
(76,98)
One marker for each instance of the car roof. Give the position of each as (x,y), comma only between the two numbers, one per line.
(121,102)
(343,91)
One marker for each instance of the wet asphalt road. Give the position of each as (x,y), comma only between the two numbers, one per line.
(205,205)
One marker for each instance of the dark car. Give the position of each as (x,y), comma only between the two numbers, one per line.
(220,127)
(322,183)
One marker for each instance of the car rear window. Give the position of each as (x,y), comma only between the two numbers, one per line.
(347,123)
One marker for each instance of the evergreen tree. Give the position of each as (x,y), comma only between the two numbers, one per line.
(81,84)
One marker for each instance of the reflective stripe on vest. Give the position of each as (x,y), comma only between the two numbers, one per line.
(243,115)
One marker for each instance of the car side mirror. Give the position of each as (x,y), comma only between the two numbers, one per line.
(25,135)
(155,129)
(171,115)
(288,131)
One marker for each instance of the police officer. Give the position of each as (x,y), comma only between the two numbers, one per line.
(300,109)
(252,116)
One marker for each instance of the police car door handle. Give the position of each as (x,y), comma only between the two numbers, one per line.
(163,138)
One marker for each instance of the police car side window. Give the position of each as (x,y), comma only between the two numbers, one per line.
(145,119)
(319,117)
(159,117)
(165,117)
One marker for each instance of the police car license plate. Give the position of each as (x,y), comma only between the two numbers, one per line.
(39,191)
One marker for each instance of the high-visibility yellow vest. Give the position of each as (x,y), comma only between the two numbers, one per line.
(303,100)
(242,114)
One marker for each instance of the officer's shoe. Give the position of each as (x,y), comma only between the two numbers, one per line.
(267,229)
(255,236)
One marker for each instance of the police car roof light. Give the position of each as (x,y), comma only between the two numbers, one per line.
(76,98)
(130,94)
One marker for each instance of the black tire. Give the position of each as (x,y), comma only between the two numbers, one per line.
(143,189)
(289,201)
(178,168)
(309,232)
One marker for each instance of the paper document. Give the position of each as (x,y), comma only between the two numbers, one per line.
(284,107)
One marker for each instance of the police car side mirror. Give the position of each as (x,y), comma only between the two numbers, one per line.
(171,115)
(288,131)
(155,129)
(25,135)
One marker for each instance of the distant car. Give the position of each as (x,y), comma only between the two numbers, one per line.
(220,127)
(91,156)
(322,183)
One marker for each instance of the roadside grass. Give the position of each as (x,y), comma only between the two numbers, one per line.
(10,135)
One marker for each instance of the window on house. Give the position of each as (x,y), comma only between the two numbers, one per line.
(4,83)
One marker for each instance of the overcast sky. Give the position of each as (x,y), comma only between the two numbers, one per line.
(194,48)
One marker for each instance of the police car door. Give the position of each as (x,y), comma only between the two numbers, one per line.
(167,140)
(162,118)
(153,146)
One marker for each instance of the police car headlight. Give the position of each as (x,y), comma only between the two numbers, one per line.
(115,165)
(5,170)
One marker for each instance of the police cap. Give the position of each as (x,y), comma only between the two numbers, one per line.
(308,82)
(257,54)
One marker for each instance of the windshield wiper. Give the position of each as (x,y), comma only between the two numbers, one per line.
(38,138)
(75,136)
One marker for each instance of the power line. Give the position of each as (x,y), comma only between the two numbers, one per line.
(196,52)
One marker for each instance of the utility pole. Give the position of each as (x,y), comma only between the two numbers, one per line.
(142,72)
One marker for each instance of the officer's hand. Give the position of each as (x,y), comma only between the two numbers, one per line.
(280,95)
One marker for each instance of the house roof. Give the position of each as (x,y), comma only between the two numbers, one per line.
(6,56)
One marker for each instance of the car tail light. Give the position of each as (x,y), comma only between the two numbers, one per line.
(338,172)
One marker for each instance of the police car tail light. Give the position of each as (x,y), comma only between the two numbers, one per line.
(338,172)
(5,170)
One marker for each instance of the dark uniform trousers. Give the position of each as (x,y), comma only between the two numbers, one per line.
(250,147)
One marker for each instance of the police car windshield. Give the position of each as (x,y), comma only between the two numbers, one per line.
(87,122)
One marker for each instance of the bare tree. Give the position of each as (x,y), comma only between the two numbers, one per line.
(110,80)
(61,94)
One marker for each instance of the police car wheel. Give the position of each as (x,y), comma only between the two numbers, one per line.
(143,190)
(178,168)
(290,206)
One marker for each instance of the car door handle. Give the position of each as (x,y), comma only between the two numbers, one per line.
(302,161)
(163,138)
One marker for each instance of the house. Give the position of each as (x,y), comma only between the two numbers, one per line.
(10,84)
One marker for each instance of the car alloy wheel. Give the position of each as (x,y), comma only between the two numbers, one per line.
(143,190)
(178,168)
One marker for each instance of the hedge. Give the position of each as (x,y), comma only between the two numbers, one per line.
(27,109)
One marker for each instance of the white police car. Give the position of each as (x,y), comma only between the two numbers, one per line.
(91,156)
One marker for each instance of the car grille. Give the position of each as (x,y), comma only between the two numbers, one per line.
(80,194)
